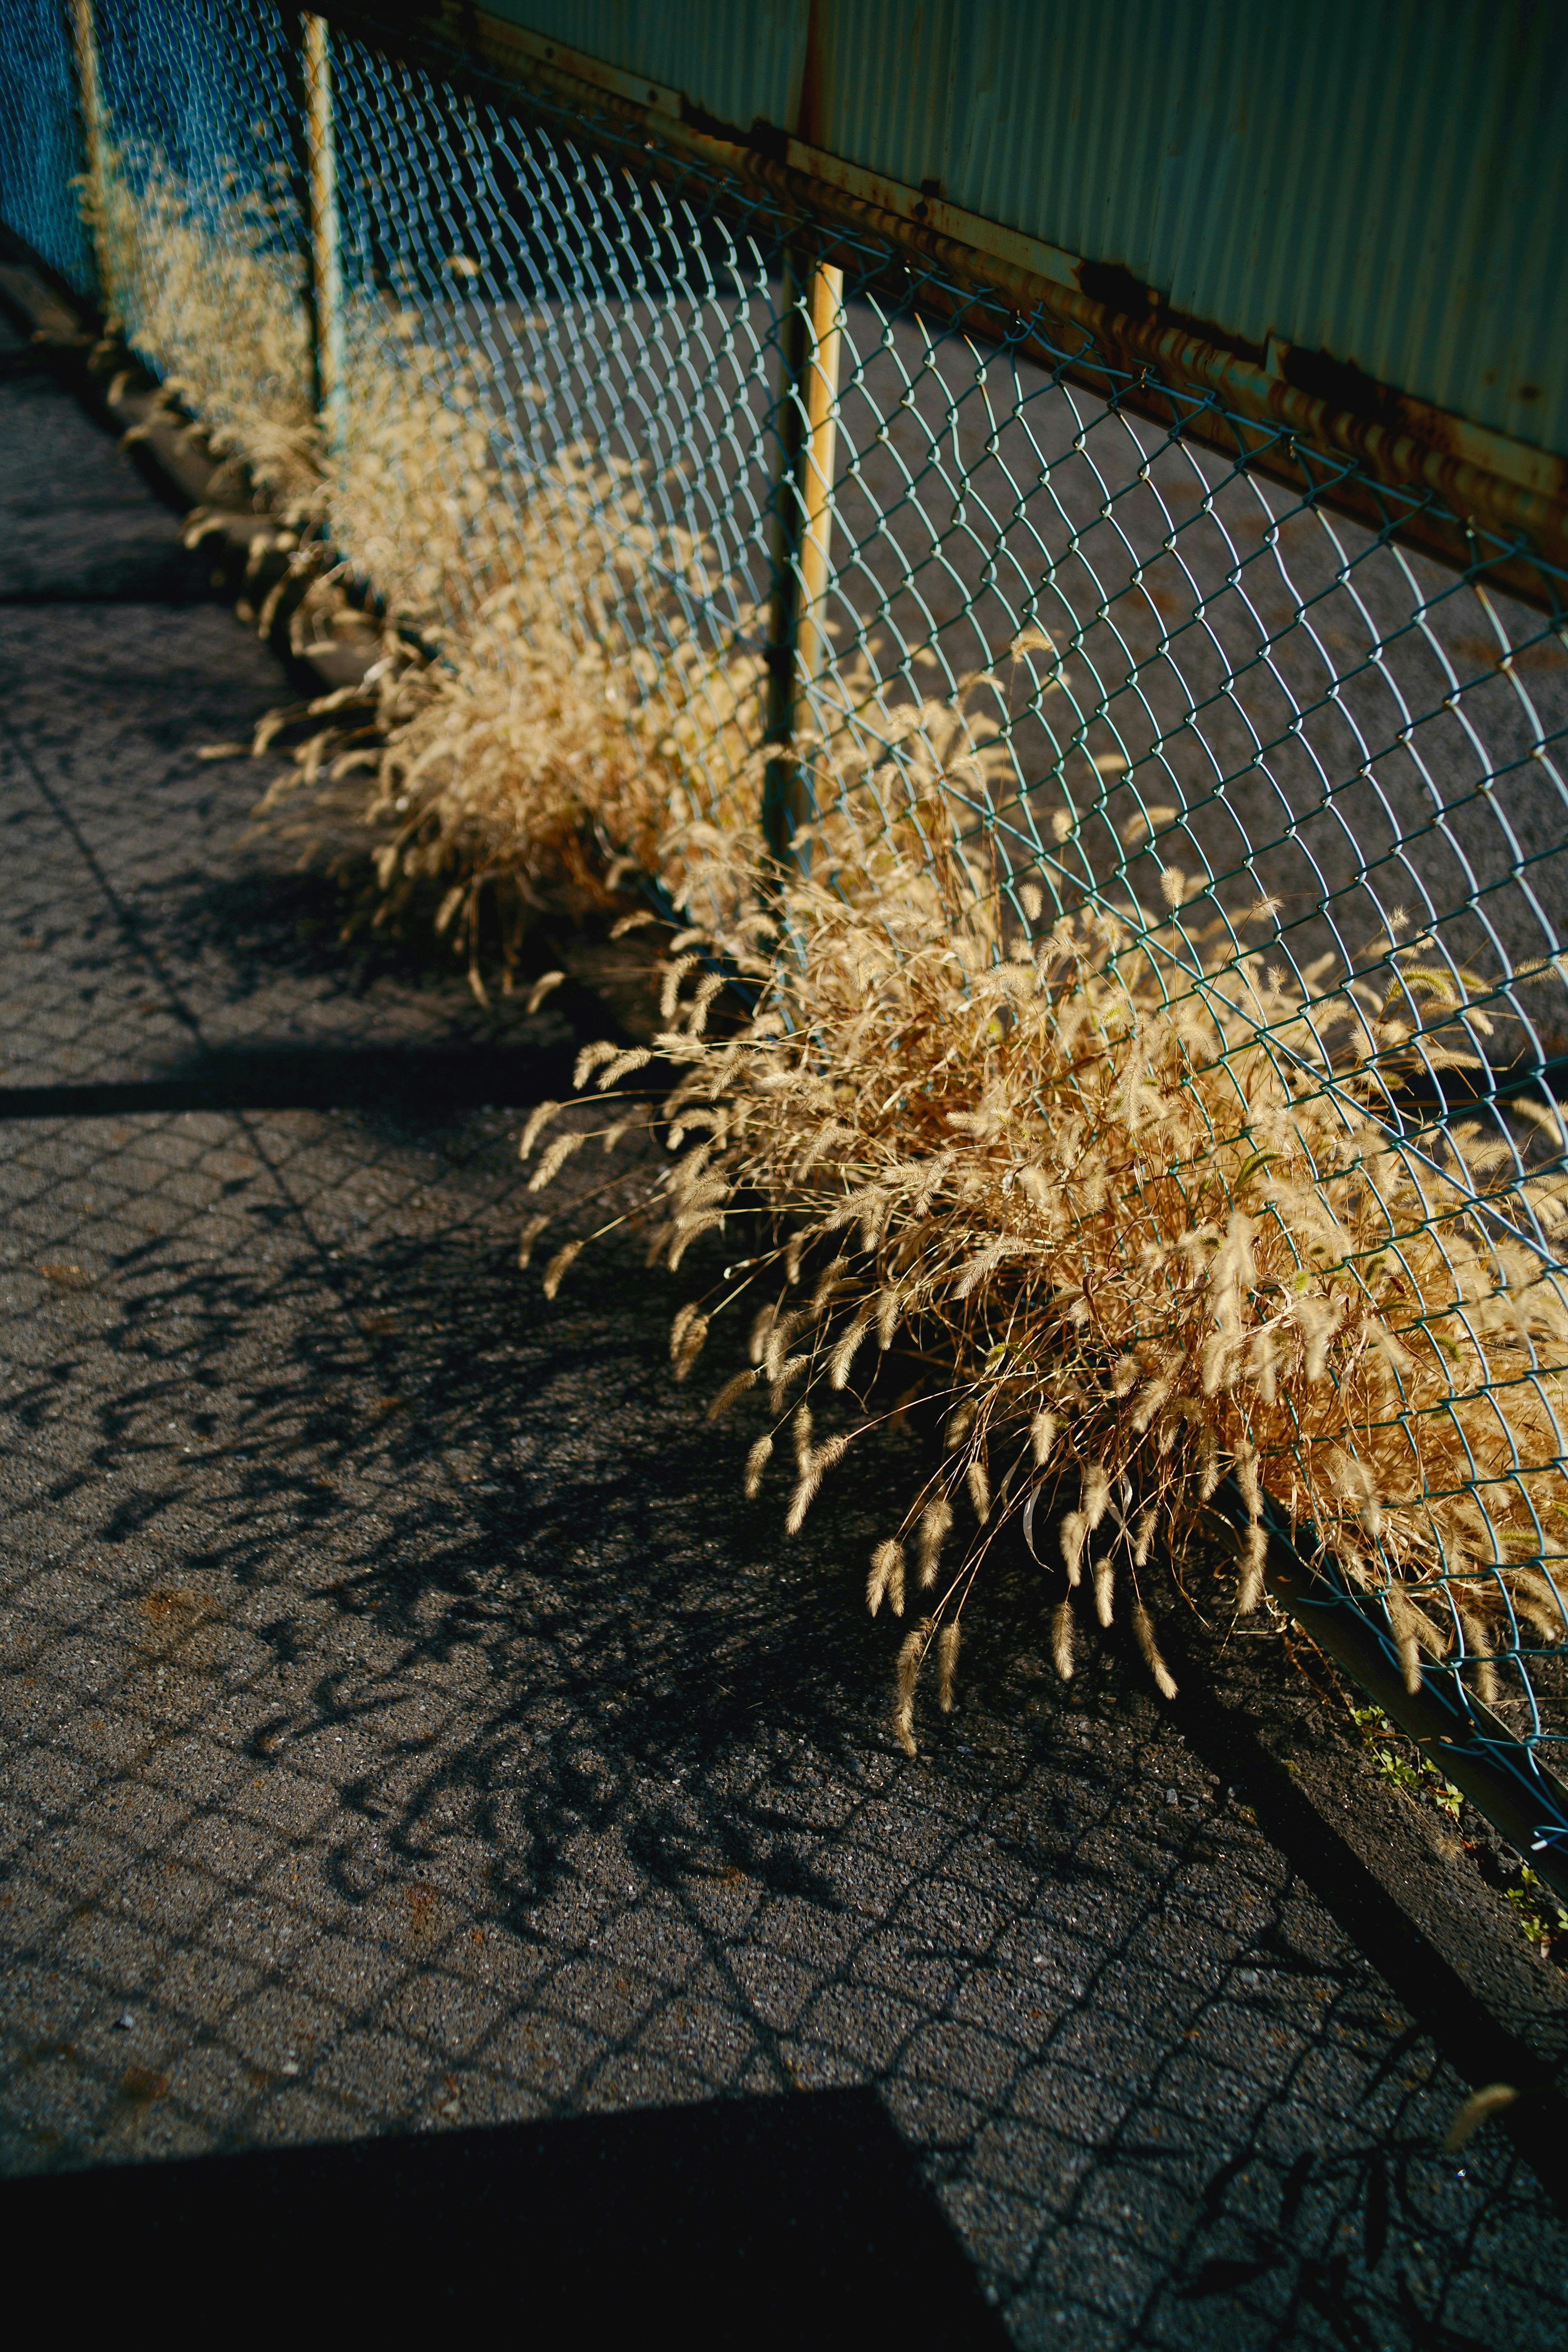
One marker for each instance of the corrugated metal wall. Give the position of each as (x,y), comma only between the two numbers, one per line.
(739,60)
(1385,180)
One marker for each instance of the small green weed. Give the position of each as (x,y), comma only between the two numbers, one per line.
(1420,1779)
(1537,1912)
(1539,1916)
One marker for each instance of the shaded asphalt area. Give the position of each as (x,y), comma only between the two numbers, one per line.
(409,1728)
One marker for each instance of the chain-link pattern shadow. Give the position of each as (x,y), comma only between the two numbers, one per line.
(354,1787)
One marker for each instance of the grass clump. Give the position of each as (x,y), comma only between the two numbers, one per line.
(523,770)
(518,739)
(213,298)
(1135,1208)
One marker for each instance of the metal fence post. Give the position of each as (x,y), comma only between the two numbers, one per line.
(94,129)
(328,352)
(798,641)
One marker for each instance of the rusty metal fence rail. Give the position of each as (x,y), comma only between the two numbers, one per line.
(1210,644)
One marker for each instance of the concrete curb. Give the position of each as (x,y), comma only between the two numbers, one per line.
(1398,1881)
(111,381)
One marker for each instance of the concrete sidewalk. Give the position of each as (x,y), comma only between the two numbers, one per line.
(408,1721)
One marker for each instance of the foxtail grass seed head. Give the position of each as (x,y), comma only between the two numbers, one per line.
(1254,1561)
(762,1325)
(801,1430)
(1104,1586)
(1478,1652)
(732,1391)
(674,973)
(556,1272)
(843,1357)
(635,1057)
(1403,1623)
(687,1333)
(813,1465)
(776,1334)
(1061,1639)
(932,1532)
(590,1059)
(707,989)
(532,1229)
(1143,1634)
(958,1424)
(554,1159)
(946,1665)
(757,1461)
(539,1119)
(886,1580)
(912,1655)
(979,1484)
(1478,2109)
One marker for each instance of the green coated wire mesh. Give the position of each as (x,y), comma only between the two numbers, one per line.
(41,143)
(1210,704)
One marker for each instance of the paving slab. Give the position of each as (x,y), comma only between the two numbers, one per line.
(410,1726)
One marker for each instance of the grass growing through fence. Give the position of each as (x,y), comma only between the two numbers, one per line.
(517,737)
(520,770)
(213,298)
(1128,1206)
(1133,1208)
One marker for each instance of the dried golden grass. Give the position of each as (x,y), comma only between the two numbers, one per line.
(537,744)
(524,771)
(215,301)
(1130,1199)
(526,740)
(212,294)
(1135,1205)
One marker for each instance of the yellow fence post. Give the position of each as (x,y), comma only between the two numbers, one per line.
(94,133)
(328,354)
(825,309)
(798,640)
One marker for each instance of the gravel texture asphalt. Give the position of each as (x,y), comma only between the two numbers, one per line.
(409,1724)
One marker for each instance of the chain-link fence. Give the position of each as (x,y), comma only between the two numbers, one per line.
(1312,716)
(41,149)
